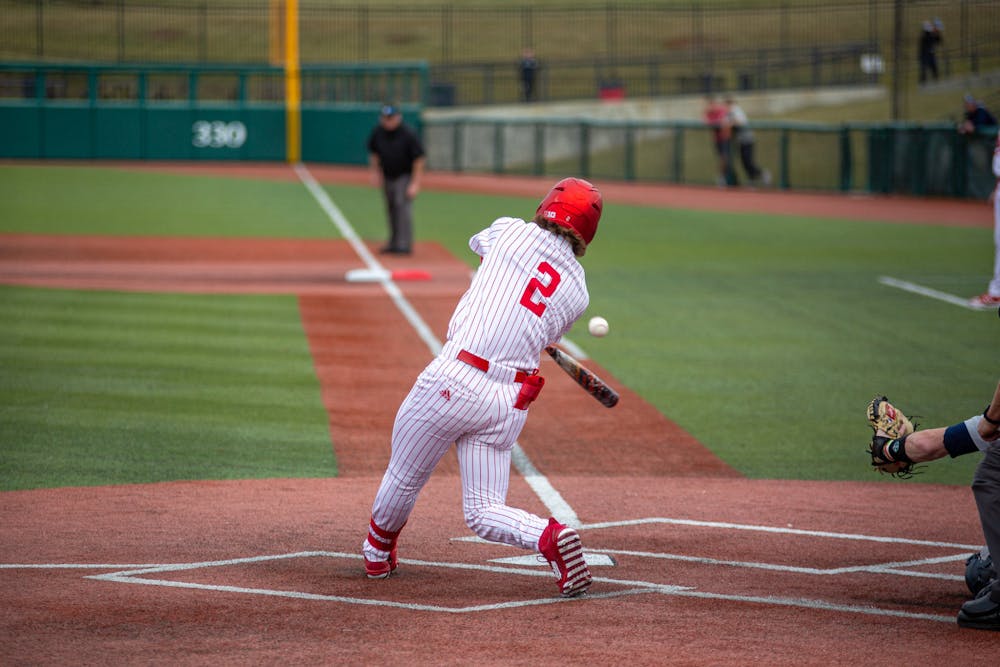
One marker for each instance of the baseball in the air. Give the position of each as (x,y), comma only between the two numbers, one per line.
(598,326)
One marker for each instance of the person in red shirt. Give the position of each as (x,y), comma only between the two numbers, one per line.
(716,116)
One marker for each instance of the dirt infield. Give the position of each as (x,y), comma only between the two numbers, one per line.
(694,564)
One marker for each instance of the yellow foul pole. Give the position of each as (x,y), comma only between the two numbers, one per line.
(293,84)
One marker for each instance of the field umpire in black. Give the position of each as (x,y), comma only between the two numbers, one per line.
(396,158)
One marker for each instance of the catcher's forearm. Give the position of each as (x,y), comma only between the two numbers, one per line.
(926,445)
(989,425)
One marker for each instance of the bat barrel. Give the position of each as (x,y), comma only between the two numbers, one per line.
(584,377)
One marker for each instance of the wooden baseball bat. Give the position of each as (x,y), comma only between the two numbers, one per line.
(584,377)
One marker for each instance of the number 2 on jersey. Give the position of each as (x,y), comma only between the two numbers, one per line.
(536,285)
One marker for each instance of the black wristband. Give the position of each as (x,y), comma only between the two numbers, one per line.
(995,423)
(896,450)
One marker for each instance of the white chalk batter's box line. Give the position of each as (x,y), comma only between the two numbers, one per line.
(139,574)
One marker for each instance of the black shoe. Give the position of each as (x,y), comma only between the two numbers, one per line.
(388,250)
(981,613)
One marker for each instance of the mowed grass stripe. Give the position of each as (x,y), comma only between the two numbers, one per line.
(86,398)
(115,201)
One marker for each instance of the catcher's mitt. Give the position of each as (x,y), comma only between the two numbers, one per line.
(887,448)
(882,415)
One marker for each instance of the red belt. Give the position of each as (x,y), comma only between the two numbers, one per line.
(484,365)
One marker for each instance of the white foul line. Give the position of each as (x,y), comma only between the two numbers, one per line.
(926,291)
(540,484)
(134,576)
(878,568)
(816,604)
(896,567)
(342,224)
(629,587)
(138,573)
(779,530)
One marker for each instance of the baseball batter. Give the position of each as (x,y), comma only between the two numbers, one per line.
(529,290)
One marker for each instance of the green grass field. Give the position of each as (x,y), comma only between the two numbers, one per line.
(109,387)
(764,336)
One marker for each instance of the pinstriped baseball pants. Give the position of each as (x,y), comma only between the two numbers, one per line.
(452,402)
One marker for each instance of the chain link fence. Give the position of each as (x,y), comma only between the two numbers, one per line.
(583,50)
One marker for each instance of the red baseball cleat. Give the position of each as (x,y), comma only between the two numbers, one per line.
(380,569)
(561,547)
(985,300)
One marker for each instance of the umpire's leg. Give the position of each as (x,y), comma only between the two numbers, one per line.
(986,489)
(400,216)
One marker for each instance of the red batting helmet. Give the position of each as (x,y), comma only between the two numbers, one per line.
(575,204)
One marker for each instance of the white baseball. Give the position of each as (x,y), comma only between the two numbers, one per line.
(598,326)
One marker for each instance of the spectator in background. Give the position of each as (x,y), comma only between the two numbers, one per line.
(930,39)
(991,297)
(976,116)
(740,127)
(396,159)
(529,72)
(716,116)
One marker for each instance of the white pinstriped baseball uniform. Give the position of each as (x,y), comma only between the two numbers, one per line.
(527,293)
(994,288)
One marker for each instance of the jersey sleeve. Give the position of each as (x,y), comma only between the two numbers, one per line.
(482,242)
(996,159)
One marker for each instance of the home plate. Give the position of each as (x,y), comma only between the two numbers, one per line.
(381,275)
(593,560)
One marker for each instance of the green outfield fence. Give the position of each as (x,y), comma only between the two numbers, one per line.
(174,112)
(171,112)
